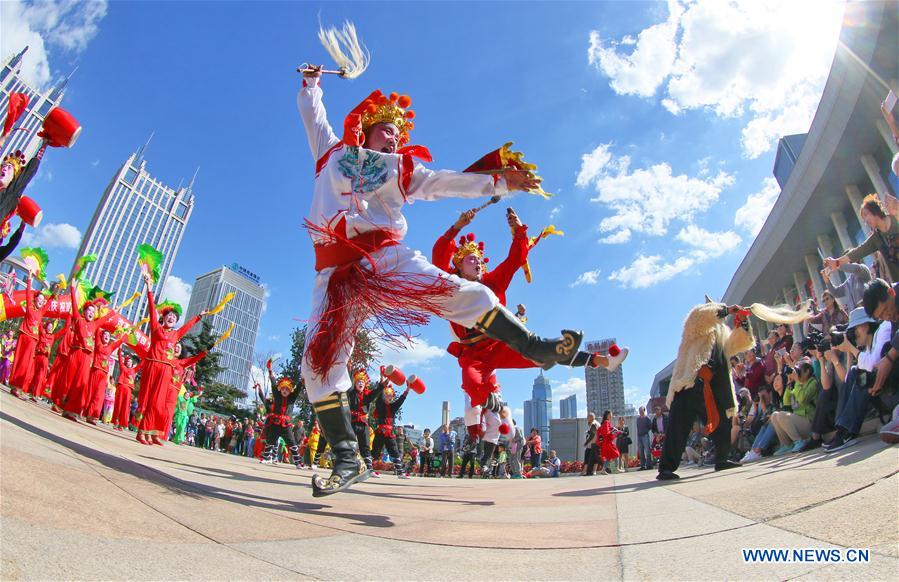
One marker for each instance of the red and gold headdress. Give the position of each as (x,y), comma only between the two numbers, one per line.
(468,246)
(16,160)
(389,392)
(285,382)
(361,374)
(378,108)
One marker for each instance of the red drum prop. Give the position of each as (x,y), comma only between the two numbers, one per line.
(394,374)
(416,384)
(29,211)
(61,130)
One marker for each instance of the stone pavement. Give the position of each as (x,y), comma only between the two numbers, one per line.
(84,502)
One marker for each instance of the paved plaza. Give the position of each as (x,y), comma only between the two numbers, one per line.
(84,502)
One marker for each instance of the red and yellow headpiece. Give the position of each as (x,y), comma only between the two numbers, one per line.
(16,160)
(285,382)
(389,392)
(361,374)
(468,246)
(379,108)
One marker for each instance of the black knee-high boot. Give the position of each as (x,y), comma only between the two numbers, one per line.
(347,466)
(500,324)
(487,460)
(268,454)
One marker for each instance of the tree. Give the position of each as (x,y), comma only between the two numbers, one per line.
(216,395)
(364,354)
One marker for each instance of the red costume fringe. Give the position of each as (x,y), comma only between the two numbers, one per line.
(391,302)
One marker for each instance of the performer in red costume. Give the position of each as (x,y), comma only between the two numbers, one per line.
(36,304)
(104,346)
(158,367)
(364,271)
(59,370)
(84,326)
(123,390)
(480,356)
(38,383)
(182,372)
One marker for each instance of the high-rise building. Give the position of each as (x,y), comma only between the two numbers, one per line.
(542,408)
(135,208)
(568,438)
(528,416)
(605,391)
(39,105)
(244,310)
(568,407)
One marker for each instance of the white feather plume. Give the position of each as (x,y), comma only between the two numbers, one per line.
(344,47)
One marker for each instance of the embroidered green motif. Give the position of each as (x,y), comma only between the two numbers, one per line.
(367,175)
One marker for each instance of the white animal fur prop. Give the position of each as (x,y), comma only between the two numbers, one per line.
(348,53)
(703,329)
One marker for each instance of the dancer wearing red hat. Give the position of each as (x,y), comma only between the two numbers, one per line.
(158,365)
(366,274)
(278,422)
(386,409)
(360,399)
(57,379)
(182,373)
(124,390)
(36,305)
(479,356)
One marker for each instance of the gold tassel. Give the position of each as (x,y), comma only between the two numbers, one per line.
(224,336)
(221,304)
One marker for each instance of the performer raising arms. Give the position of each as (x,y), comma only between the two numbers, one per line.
(36,305)
(38,383)
(386,409)
(480,356)
(104,346)
(364,271)
(278,421)
(158,366)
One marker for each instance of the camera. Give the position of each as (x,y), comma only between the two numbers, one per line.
(839,333)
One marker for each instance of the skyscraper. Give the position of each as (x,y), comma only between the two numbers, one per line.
(135,208)
(605,391)
(39,105)
(568,407)
(244,310)
(542,408)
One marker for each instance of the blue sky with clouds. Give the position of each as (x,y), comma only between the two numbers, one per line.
(653,123)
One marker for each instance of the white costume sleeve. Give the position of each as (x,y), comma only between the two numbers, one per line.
(315,119)
(430,185)
(869,359)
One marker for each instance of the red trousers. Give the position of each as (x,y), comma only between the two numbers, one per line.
(57,380)
(38,384)
(98,380)
(78,375)
(479,363)
(155,385)
(121,410)
(23,363)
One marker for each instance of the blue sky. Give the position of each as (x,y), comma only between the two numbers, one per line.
(653,123)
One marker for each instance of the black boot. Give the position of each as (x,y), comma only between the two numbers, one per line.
(494,402)
(295,456)
(500,324)
(487,460)
(347,466)
(268,455)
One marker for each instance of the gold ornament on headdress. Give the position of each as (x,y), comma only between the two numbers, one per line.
(361,375)
(468,246)
(393,109)
(16,160)
(286,383)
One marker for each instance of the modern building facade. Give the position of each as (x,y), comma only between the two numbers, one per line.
(245,311)
(605,390)
(135,208)
(568,438)
(568,407)
(845,156)
(39,105)
(538,411)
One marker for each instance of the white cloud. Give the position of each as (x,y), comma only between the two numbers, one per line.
(708,245)
(66,25)
(647,271)
(752,215)
(62,236)
(177,290)
(765,60)
(588,278)
(574,385)
(95,163)
(274,338)
(418,352)
(266,294)
(645,200)
(555,212)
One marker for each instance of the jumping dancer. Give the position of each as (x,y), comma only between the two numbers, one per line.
(360,398)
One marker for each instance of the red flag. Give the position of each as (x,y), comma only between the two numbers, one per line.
(17,104)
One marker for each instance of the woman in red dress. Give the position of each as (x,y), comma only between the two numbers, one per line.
(38,382)
(59,369)
(158,366)
(605,437)
(36,304)
(104,346)
(181,373)
(123,390)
